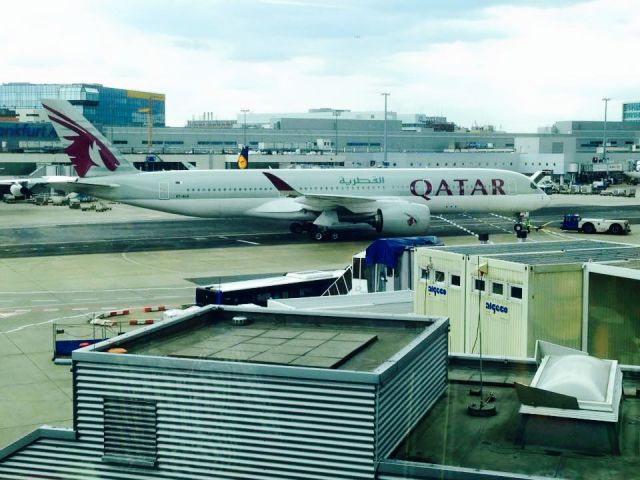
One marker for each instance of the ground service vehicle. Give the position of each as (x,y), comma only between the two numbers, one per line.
(573,221)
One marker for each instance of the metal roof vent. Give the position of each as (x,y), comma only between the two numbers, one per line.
(240,320)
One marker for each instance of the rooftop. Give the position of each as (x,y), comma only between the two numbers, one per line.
(320,340)
(447,435)
(555,252)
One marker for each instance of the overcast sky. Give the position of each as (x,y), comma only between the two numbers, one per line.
(514,64)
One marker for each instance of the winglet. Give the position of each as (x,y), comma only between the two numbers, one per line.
(283,187)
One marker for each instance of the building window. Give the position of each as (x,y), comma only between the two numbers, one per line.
(424,274)
(439,276)
(516,292)
(130,432)
(455,280)
(478,285)
(497,288)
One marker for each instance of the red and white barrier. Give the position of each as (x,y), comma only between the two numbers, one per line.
(148,321)
(159,308)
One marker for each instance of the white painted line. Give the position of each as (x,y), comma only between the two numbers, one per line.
(50,309)
(11,314)
(80,309)
(40,300)
(78,300)
(247,241)
(41,323)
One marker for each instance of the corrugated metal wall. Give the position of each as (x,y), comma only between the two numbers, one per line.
(227,420)
(411,392)
(213,425)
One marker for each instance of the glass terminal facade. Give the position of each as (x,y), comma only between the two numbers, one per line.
(102,106)
(631,112)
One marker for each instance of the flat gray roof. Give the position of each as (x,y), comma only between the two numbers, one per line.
(318,340)
(447,435)
(546,253)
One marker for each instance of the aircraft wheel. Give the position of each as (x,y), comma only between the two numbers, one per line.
(517,227)
(334,235)
(319,235)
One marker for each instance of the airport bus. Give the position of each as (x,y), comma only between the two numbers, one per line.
(311,283)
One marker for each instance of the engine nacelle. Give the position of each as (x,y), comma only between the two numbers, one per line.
(402,218)
(18,190)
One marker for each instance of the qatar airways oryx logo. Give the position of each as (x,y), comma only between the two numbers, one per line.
(85,150)
(459,186)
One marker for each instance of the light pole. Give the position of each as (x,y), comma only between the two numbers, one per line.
(385,95)
(336,113)
(604,136)
(244,126)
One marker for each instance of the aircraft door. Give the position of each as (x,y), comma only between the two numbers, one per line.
(163,191)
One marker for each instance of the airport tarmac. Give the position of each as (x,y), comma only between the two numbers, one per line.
(38,291)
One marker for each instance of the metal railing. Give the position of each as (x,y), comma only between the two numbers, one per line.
(342,285)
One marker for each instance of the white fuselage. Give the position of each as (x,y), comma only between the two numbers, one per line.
(232,193)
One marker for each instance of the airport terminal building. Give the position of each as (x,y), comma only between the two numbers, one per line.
(102,106)
(322,137)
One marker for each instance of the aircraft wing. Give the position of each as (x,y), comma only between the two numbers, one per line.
(30,183)
(323,201)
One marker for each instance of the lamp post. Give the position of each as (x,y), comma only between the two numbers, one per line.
(336,113)
(244,127)
(149,111)
(604,136)
(385,95)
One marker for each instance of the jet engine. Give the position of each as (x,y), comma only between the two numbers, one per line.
(18,190)
(401,218)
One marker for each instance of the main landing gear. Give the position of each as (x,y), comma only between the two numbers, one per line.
(314,232)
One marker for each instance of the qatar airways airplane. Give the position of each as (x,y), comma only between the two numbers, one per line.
(321,201)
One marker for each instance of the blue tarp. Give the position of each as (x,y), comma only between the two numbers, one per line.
(65,347)
(387,250)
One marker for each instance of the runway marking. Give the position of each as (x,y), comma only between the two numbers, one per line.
(247,241)
(50,309)
(149,289)
(484,222)
(41,300)
(11,314)
(42,323)
(78,300)
(80,309)
(456,225)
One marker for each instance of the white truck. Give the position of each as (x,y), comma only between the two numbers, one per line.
(573,221)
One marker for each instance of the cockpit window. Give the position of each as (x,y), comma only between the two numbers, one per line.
(533,186)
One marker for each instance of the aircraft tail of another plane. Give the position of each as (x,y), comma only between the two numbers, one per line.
(89,151)
(243,158)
